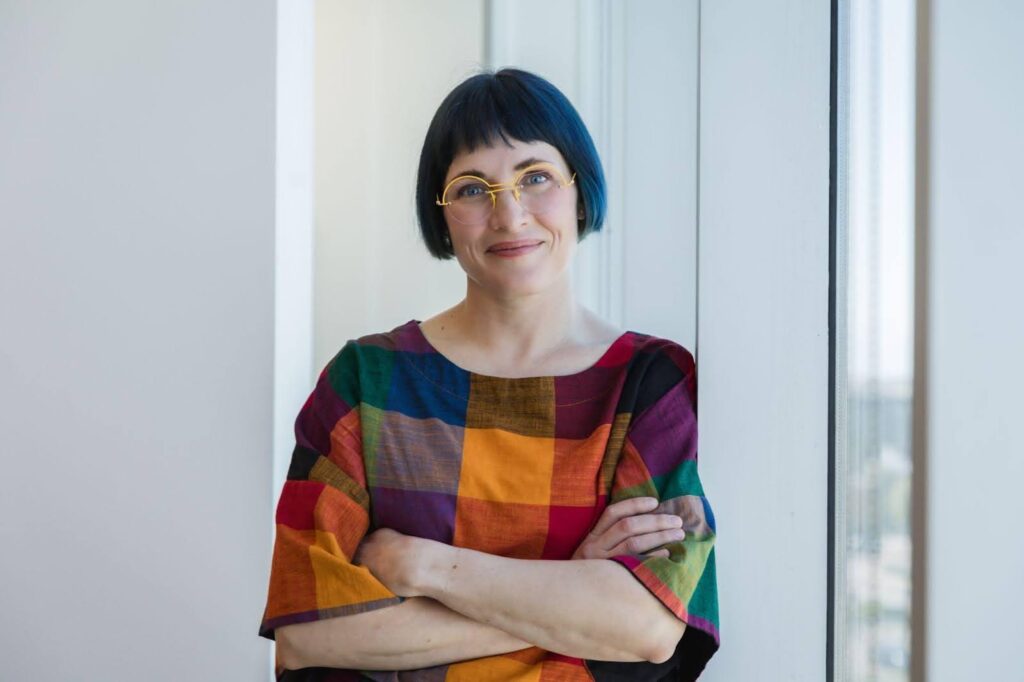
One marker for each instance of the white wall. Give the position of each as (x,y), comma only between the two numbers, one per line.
(659,164)
(136,307)
(976,337)
(373,105)
(763,333)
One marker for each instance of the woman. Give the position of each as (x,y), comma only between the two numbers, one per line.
(466,492)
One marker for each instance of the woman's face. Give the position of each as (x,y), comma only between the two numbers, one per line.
(554,230)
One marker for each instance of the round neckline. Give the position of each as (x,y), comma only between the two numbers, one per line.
(444,358)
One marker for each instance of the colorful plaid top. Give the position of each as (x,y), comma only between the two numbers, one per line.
(396,435)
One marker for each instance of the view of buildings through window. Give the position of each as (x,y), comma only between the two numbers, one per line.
(874,339)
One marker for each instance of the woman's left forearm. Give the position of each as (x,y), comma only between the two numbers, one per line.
(587,608)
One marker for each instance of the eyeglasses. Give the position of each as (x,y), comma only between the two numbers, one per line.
(471,199)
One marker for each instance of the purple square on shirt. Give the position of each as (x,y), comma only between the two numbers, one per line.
(414,512)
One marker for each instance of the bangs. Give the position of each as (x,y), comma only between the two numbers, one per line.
(498,110)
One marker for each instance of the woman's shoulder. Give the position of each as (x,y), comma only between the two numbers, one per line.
(359,353)
(644,349)
(399,338)
(660,367)
(651,349)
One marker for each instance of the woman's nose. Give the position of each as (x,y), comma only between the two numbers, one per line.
(507,211)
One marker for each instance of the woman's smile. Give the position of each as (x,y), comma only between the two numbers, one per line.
(514,248)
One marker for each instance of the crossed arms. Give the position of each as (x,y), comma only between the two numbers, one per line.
(467,604)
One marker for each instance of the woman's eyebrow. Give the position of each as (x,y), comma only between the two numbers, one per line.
(519,166)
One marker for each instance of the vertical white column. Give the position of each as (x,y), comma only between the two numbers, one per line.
(763,329)
(293,235)
(974,365)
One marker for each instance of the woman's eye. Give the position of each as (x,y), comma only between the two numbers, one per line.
(469,191)
(538,178)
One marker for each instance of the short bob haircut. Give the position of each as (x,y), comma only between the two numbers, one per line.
(507,103)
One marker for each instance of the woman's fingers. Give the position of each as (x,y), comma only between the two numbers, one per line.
(659,552)
(638,544)
(631,527)
(614,513)
(634,526)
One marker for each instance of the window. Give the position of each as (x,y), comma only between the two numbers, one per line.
(874,339)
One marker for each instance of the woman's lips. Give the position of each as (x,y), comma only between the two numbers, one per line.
(516,251)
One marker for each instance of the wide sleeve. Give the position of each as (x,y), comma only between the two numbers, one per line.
(324,510)
(659,459)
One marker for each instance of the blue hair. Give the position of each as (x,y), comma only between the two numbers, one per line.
(510,103)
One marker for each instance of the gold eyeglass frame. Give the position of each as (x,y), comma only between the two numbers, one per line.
(493,190)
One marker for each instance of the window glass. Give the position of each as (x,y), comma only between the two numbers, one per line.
(874,339)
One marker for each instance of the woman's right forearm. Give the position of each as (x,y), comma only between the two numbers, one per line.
(418,633)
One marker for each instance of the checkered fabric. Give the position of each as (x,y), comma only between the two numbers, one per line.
(396,435)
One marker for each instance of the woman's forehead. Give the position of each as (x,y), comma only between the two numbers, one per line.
(499,160)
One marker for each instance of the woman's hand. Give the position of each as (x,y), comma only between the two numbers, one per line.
(395,559)
(631,527)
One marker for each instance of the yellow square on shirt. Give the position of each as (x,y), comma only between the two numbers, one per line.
(506,467)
